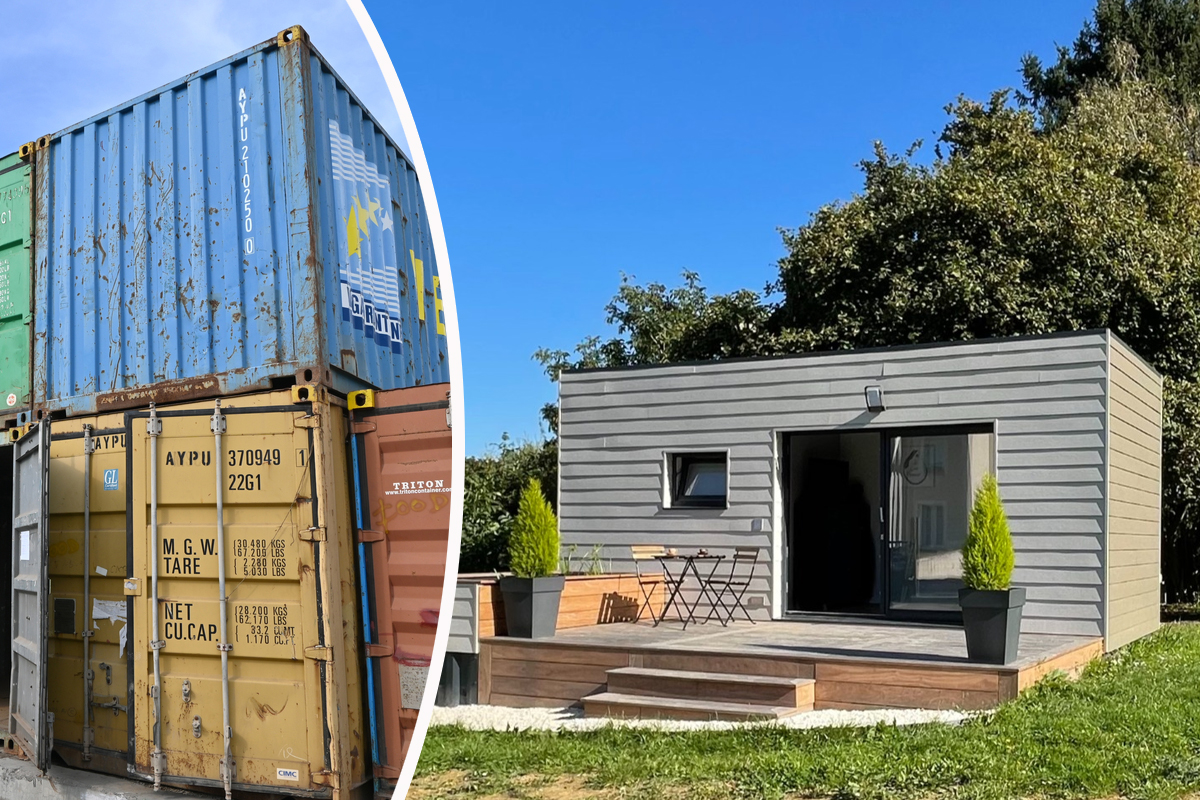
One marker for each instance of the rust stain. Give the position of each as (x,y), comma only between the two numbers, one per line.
(262,710)
(164,391)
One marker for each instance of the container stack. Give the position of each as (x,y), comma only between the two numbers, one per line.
(232,278)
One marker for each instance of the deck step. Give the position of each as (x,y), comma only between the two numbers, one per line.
(763,690)
(633,706)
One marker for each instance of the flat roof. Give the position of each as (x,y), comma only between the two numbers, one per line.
(861,350)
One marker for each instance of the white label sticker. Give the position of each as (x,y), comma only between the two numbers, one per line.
(287,774)
(101,571)
(12,399)
(24,545)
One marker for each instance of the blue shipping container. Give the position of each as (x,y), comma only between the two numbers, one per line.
(243,226)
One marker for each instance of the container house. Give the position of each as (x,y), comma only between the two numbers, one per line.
(853,473)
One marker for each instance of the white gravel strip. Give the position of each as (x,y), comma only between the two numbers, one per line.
(501,718)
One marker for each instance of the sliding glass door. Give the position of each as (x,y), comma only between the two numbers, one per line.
(931,481)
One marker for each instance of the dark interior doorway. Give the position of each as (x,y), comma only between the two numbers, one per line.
(834,493)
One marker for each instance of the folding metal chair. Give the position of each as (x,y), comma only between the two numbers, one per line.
(735,586)
(643,553)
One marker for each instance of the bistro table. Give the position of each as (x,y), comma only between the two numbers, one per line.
(688,564)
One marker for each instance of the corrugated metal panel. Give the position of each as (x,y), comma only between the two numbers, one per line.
(406,442)
(249,222)
(282,479)
(16,318)
(104,610)
(1135,502)
(1045,395)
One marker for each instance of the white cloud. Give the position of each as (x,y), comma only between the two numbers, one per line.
(83,57)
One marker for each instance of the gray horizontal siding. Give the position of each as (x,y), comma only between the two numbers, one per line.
(1134,518)
(1046,397)
(464,620)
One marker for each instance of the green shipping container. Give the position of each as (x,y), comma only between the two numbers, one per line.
(16,317)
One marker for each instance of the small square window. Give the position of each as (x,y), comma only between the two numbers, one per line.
(699,480)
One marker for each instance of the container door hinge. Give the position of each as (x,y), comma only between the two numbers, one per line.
(367,536)
(158,762)
(133,587)
(363,427)
(324,778)
(379,650)
(319,653)
(314,534)
(384,771)
(308,421)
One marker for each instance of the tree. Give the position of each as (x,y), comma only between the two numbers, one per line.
(533,548)
(494,482)
(987,554)
(1014,232)
(1155,40)
(657,325)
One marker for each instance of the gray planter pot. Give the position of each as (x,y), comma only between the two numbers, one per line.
(531,605)
(992,620)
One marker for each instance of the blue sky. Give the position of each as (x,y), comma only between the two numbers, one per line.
(83,57)
(570,142)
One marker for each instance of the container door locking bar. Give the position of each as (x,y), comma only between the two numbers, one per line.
(227,769)
(89,676)
(158,759)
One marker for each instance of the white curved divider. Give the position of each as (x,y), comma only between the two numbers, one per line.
(456,381)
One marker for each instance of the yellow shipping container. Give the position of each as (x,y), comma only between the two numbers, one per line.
(287,716)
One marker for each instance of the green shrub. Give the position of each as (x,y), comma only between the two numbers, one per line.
(533,545)
(988,552)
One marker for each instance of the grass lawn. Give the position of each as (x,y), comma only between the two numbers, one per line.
(1130,727)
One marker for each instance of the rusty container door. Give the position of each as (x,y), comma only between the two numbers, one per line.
(88,686)
(402,444)
(283,531)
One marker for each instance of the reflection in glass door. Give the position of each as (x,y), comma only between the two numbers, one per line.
(931,484)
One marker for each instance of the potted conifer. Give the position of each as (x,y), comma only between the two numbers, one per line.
(533,591)
(991,607)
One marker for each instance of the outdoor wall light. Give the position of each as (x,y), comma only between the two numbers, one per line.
(874,398)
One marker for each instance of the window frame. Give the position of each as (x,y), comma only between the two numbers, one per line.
(676,464)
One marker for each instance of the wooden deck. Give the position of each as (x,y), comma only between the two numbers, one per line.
(855,664)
